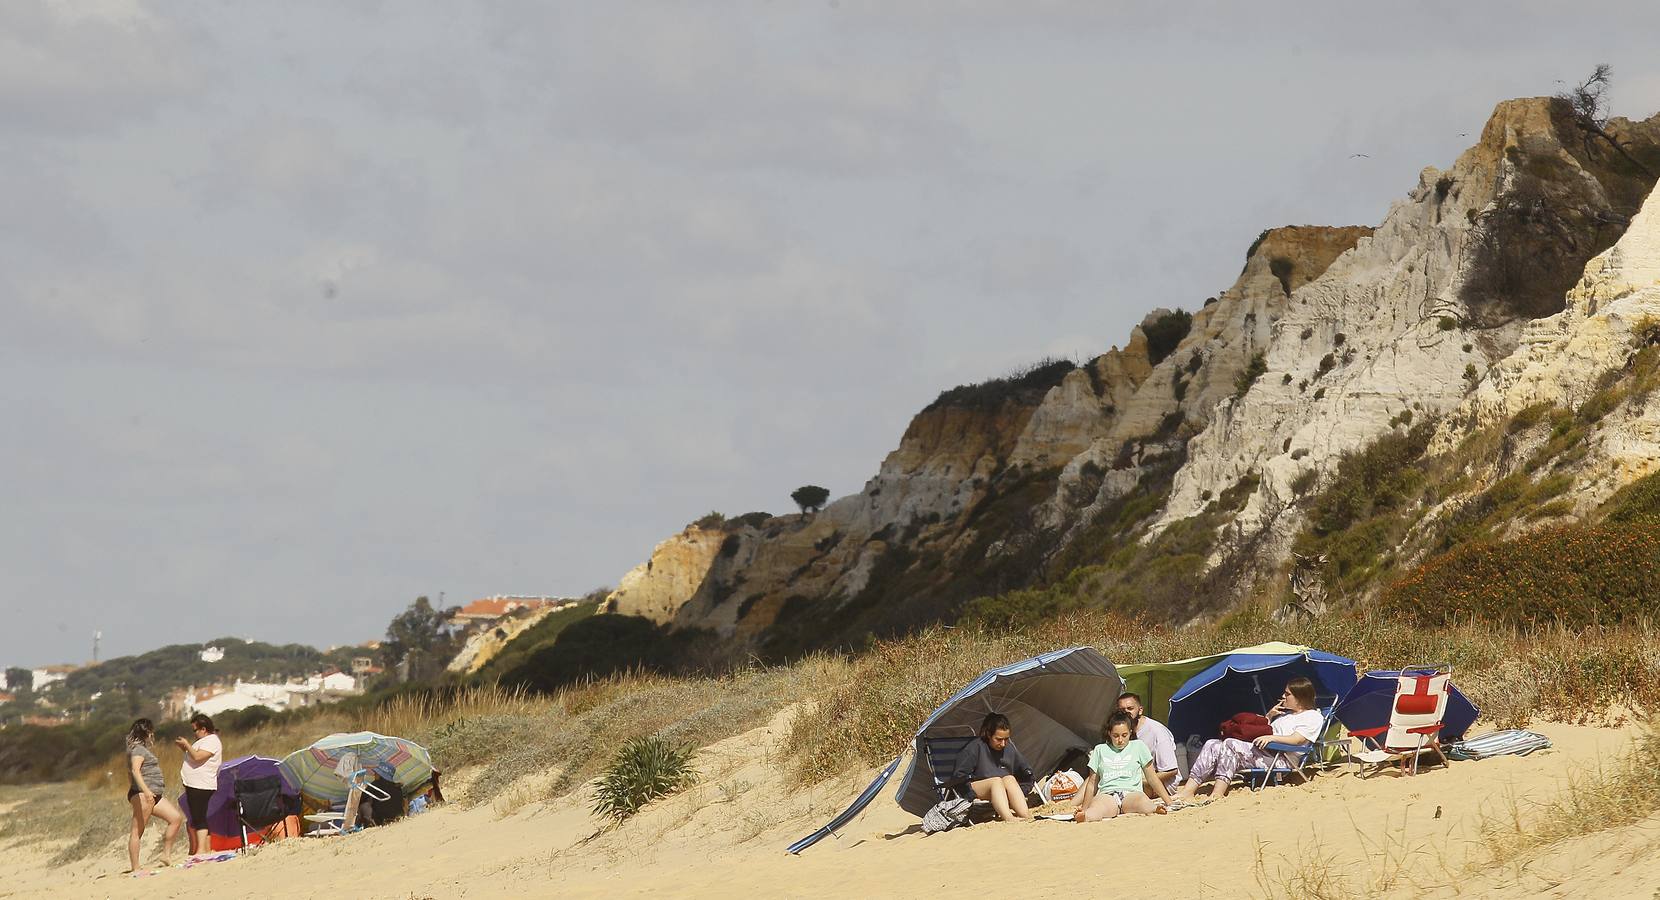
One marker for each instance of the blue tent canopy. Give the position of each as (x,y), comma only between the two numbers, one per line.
(1367,706)
(1253,682)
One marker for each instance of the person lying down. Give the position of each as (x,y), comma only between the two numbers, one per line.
(1121,776)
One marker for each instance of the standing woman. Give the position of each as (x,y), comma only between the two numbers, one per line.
(144,793)
(200,773)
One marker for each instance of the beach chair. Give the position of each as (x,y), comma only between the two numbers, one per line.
(942,758)
(259,807)
(344,820)
(1297,763)
(1414,729)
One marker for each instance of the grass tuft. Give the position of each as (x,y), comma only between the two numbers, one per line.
(644,769)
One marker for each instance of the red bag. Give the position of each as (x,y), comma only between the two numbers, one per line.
(1246,726)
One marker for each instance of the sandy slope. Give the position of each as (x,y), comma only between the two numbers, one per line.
(726,837)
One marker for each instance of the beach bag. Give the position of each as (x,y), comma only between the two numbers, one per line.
(1063,785)
(946,815)
(1246,726)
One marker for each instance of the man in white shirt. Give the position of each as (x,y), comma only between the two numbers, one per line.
(200,774)
(1157,738)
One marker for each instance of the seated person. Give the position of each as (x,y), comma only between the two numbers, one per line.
(1157,738)
(990,768)
(1121,775)
(1295,720)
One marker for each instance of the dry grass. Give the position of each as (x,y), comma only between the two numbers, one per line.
(1613,795)
(865,711)
(1616,793)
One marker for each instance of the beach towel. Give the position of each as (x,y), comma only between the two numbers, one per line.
(1513,742)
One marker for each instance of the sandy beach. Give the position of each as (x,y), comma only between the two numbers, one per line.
(1387,836)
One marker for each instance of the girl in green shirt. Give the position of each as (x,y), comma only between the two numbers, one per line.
(1120,776)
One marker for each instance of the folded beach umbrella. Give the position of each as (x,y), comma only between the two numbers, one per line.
(1055,702)
(1251,680)
(221,808)
(1368,705)
(313,770)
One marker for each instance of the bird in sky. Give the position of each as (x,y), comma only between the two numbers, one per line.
(1359,156)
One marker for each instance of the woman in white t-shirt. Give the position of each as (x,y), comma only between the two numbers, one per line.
(1296,720)
(200,774)
(1121,776)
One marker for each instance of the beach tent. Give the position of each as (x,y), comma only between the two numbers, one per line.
(1156,683)
(1251,680)
(1367,706)
(1055,702)
(221,808)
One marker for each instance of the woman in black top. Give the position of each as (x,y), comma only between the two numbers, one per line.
(990,768)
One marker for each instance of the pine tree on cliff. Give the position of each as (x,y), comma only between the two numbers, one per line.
(810,497)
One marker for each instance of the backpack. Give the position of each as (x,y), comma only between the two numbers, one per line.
(946,815)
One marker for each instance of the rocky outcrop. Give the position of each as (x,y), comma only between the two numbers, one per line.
(482,646)
(658,587)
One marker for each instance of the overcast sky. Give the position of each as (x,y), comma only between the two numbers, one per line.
(309,308)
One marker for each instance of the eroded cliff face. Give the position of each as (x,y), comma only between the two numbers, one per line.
(1406,324)
(1457,304)
(1563,360)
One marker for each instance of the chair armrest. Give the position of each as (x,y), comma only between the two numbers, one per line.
(1367,732)
(1425,729)
(1300,749)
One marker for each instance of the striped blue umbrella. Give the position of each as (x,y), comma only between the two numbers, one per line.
(316,770)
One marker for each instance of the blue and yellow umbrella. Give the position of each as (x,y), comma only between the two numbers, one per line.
(318,773)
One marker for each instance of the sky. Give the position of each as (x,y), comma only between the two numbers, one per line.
(310,308)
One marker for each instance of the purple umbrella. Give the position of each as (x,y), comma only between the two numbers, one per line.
(221,810)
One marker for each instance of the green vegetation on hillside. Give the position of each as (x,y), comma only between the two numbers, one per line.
(533,640)
(1025,386)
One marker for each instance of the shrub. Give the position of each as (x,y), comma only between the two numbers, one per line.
(1165,334)
(710,519)
(1285,379)
(1026,385)
(643,770)
(1327,363)
(1338,339)
(1573,575)
(1253,370)
(1306,334)
(1636,503)
(1447,323)
(1320,394)
(1470,374)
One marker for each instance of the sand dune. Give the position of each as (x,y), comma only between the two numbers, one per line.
(725,837)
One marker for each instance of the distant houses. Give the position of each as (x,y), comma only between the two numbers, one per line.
(327,686)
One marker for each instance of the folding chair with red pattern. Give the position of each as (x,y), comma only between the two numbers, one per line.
(1421,694)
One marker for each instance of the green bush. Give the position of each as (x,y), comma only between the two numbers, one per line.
(1165,334)
(1253,370)
(1027,385)
(1572,575)
(643,770)
(1636,503)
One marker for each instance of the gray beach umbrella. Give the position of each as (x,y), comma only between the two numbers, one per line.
(1055,702)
